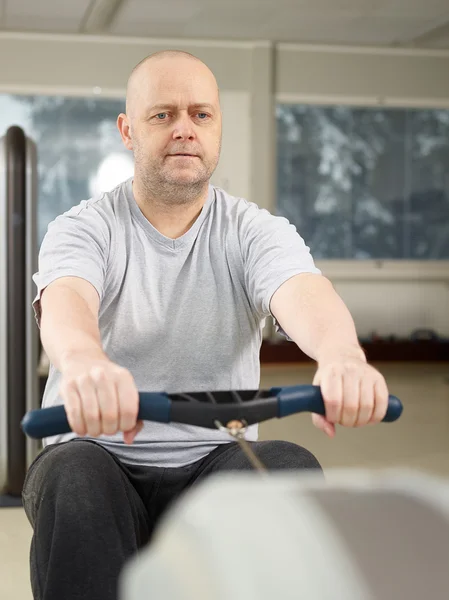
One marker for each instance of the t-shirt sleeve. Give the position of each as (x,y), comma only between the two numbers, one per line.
(273,252)
(76,245)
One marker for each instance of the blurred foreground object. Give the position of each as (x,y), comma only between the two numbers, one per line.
(356,536)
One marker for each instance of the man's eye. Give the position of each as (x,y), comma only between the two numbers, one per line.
(161,116)
(202,116)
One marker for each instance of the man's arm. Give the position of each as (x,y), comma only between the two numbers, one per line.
(315,317)
(69,321)
(99,396)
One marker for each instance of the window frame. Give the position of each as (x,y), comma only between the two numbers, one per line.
(384,269)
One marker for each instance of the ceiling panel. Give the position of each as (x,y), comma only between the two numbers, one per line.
(47,8)
(364,22)
(143,18)
(438,42)
(411,8)
(155,28)
(133,11)
(436,33)
(442,42)
(241,29)
(363,30)
(227,17)
(384,30)
(310,30)
(51,15)
(230,21)
(330,8)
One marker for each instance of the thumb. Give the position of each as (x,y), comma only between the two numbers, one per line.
(128,436)
(321,423)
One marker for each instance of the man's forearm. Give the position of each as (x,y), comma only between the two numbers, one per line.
(315,317)
(68,327)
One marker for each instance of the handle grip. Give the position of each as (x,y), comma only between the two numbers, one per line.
(278,402)
(302,398)
(46,422)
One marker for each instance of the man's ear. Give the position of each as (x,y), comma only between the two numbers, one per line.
(124,128)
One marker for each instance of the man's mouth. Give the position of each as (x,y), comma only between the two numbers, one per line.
(184,154)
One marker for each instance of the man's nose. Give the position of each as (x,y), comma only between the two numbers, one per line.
(184,128)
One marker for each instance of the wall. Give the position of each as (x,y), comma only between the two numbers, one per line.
(252,76)
(363,75)
(393,297)
(384,296)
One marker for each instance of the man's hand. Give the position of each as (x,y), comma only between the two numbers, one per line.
(354,393)
(100,397)
(315,317)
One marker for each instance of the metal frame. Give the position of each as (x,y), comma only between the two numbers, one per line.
(33,447)
(15,290)
(3,321)
(19,390)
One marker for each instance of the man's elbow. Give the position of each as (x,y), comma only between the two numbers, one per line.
(299,288)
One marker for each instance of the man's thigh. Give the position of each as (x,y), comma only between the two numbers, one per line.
(274,455)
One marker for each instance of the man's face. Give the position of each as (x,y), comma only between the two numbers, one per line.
(175,123)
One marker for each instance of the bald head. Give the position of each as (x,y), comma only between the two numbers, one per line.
(172,124)
(164,65)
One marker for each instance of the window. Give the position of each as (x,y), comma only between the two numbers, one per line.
(365,183)
(79,148)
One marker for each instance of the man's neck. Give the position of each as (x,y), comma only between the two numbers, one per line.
(172,220)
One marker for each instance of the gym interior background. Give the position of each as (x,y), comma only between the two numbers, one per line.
(336,115)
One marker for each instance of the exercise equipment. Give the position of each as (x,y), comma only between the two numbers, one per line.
(19,339)
(353,536)
(209,409)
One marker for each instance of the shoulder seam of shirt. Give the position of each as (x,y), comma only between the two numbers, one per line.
(88,202)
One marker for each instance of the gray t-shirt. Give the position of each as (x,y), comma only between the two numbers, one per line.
(180,315)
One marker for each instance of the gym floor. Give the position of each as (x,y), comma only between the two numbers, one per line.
(419,441)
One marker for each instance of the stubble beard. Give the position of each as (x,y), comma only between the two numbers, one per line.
(162,185)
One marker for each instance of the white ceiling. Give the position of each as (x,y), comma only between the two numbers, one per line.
(414,23)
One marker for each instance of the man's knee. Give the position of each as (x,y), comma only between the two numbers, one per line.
(68,475)
(280,454)
(77,463)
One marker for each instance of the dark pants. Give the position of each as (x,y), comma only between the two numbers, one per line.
(90,512)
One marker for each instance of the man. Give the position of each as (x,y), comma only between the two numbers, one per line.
(164,284)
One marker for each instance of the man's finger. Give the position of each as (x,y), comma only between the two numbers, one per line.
(129,436)
(321,423)
(367,399)
(351,395)
(381,401)
(332,392)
